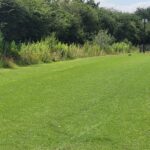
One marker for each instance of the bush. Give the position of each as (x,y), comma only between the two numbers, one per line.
(121,47)
(92,49)
(103,40)
(14,51)
(61,51)
(51,41)
(7,63)
(33,53)
(86,50)
(74,51)
(46,50)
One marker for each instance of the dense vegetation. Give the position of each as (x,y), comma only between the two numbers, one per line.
(24,23)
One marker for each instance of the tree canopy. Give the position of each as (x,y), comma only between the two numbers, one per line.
(72,21)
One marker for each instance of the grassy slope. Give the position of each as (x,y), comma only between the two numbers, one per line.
(100,103)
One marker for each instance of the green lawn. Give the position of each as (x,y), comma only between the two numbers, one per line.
(100,103)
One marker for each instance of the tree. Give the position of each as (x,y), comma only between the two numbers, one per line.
(128,27)
(103,39)
(14,19)
(108,19)
(93,4)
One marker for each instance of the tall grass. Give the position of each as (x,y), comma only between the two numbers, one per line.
(50,49)
(33,53)
(122,47)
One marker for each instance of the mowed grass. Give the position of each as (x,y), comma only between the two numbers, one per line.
(100,103)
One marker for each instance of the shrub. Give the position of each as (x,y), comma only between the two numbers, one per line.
(103,40)
(92,49)
(51,41)
(61,51)
(74,51)
(33,53)
(7,63)
(14,51)
(121,47)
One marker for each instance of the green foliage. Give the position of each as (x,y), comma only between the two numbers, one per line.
(122,47)
(33,53)
(75,51)
(14,50)
(103,39)
(51,41)
(1,43)
(7,63)
(50,49)
(107,20)
(91,49)
(143,13)
(1,63)
(73,21)
(128,27)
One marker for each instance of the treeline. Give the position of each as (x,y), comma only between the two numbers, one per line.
(72,21)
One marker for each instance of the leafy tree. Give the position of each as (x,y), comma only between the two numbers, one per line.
(93,4)
(107,21)
(72,21)
(128,27)
(13,18)
(143,13)
(103,39)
